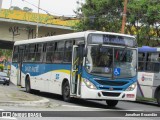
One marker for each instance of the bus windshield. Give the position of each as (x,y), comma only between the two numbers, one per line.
(104,61)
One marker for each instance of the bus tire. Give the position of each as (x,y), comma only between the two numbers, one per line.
(66,92)
(112,103)
(27,85)
(158,98)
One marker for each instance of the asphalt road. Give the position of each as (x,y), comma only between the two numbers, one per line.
(98,108)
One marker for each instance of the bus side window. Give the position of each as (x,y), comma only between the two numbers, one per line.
(50,52)
(59,52)
(26,51)
(141,63)
(38,52)
(44,53)
(15,54)
(68,51)
(32,49)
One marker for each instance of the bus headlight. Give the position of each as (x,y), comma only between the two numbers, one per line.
(132,87)
(89,84)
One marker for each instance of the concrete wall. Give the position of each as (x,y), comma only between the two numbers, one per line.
(13,31)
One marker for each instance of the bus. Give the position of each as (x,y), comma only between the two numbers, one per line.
(149,73)
(89,65)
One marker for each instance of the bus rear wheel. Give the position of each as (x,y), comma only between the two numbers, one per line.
(27,85)
(158,98)
(66,92)
(112,103)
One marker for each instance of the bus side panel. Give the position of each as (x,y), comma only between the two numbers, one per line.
(147,91)
(58,74)
(14,73)
(156,81)
(23,77)
(46,77)
(57,77)
(145,85)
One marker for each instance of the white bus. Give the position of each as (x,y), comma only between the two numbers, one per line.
(89,65)
(149,73)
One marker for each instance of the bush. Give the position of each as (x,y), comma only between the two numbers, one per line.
(1,68)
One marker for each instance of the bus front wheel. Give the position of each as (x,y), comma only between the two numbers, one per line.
(27,85)
(112,103)
(158,98)
(66,92)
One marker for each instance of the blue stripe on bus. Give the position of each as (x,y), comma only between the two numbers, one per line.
(38,69)
(147,49)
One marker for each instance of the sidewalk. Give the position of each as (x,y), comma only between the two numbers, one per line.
(12,96)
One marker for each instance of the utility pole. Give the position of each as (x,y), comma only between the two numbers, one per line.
(124,16)
(37,20)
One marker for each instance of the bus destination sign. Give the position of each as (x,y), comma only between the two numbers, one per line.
(113,40)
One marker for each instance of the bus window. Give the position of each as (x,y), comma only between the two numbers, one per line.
(15,54)
(44,52)
(50,52)
(38,53)
(68,51)
(26,51)
(32,49)
(152,63)
(141,63)
(59,50)
(105,57)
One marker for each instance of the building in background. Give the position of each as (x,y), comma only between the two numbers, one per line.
(0,4)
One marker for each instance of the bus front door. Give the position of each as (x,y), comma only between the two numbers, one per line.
(75,76)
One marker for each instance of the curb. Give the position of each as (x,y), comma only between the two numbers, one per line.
(40,103)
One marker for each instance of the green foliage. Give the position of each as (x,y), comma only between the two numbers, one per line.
(6,53)
(103,15)
(1,68)
(143,18)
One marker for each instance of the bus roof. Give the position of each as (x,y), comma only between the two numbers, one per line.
(67,36)
(148,49)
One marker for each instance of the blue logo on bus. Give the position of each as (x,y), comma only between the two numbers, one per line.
(57,76)
(117,71)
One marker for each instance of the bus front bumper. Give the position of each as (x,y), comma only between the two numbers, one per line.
(87,93)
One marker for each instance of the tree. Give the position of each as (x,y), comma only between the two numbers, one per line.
(6,53)
(143,18)
(103,15)
(27,9)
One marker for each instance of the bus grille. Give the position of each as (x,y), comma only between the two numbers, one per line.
(111,94)
(108,88)
(111,83)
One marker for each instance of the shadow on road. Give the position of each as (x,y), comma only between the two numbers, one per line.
(76,101)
